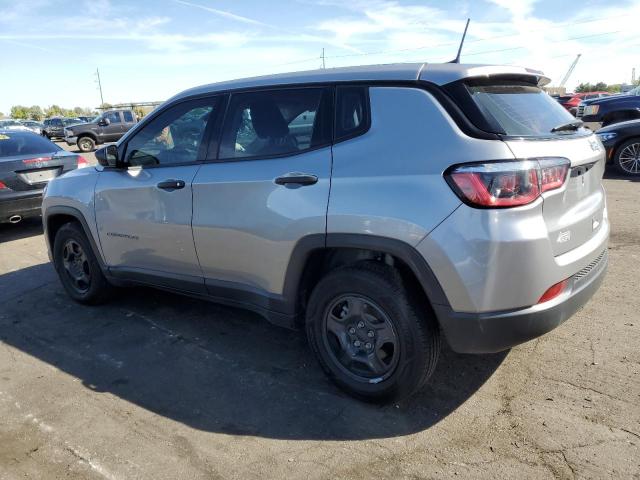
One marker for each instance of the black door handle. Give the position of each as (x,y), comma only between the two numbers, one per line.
(171,185)
(297,178)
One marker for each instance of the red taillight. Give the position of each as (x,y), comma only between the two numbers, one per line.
(552,173)
(554,291)
(3,186)
(82,162)
(507,184)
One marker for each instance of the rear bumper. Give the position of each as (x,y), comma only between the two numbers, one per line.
(25,204)
(497,331)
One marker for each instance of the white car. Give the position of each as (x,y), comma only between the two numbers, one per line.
(10,124)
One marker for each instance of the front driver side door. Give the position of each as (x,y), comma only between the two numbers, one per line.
(144,211)
(113,131)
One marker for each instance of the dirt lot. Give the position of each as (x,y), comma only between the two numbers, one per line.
(158,386)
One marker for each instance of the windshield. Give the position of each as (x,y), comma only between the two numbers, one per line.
(519,110)
(635,91)
(71,121)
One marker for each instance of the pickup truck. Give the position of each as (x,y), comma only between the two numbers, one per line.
(601,112)
(54,127)
(110,126)
(572,101)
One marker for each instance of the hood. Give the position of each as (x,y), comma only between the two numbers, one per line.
(628,125)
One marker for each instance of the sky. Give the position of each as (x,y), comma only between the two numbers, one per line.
(149,50)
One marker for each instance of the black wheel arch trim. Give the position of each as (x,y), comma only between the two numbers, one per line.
(77,215)
(397,248)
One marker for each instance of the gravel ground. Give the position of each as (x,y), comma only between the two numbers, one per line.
(158,386)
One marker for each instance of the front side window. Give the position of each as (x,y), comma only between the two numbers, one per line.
(275,122)
(113,117)
(173,137)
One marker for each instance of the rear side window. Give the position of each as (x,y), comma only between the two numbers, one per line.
(352,112)
(518,109)
(276,122)
(128,116)
(25,144)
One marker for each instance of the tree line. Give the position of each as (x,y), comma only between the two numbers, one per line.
(35,112)
(601,87)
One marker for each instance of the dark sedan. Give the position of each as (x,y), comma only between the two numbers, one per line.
(622,141)
(27,162)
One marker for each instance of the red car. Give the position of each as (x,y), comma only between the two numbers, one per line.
(571,101)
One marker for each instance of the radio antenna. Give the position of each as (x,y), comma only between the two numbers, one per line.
(457,59)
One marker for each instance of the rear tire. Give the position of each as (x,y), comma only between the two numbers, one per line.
(371,337)
(86,144)
(627,158)
(78,267)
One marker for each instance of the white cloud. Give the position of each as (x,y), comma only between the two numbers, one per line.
(224,13)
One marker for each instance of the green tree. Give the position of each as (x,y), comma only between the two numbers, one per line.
(19,112)
(54,111)
(1,115)
(36,113)
(140,112)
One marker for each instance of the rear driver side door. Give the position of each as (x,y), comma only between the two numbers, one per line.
(144,211)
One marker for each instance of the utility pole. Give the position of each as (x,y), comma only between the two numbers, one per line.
(100,87)
(322,57)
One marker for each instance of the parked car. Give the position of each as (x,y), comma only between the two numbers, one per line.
(10,124)
(379,207)
(572,101)
(110,126)
(54,127)
(622,143)
(602,112)
(35,127)
(27,162)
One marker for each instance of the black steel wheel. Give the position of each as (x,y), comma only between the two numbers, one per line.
(374,337)
(78,267)
(361,338)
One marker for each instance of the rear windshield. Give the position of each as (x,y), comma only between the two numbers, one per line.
(519,110)
(25,144)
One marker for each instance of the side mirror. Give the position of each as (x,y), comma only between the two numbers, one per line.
(104,122)
(108,156)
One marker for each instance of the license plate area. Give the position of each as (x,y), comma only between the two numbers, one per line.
(40,175)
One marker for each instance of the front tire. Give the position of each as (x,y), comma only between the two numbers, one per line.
(78,267)
(627,158)
(371,337)
(86,144)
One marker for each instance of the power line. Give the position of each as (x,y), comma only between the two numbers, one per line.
(447,44)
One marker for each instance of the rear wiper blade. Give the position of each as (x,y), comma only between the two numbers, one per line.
(573,125)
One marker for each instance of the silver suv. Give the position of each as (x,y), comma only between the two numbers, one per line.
(381,208)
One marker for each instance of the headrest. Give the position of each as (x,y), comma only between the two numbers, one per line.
(267,119)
